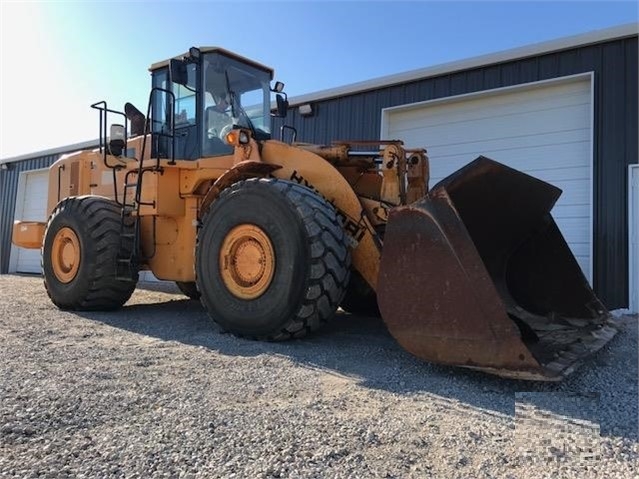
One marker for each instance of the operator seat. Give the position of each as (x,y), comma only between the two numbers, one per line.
(214,122)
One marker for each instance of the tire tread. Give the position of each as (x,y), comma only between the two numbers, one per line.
(327,243)
(105,291)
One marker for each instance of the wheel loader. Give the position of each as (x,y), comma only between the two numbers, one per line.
(273,236)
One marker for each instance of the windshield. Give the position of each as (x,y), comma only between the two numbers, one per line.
(238,91)
(221,93)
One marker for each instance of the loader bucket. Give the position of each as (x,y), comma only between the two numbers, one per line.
(477,274)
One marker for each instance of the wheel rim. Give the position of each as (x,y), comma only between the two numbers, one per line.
(65,255)
(247,261)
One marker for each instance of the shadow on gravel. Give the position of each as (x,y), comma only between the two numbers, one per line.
(362,348)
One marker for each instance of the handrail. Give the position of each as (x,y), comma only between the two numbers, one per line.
(102,107)
(104,110)
(152,121)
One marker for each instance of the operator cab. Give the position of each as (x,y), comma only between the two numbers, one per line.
(199,97)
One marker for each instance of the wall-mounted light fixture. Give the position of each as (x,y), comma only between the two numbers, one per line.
(306,109)
(4,166)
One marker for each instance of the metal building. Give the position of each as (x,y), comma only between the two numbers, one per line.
(23,196)
(564,111)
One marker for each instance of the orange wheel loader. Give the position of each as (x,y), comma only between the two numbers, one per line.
(273,237)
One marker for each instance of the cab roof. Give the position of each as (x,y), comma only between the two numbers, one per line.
(165,63)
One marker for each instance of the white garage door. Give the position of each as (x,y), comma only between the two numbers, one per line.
(31,205)
(543,129)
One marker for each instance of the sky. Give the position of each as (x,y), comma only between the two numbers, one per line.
(59,57)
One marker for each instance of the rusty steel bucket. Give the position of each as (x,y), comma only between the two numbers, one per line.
(477,274)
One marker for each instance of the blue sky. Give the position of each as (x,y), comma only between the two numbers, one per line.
(59,57)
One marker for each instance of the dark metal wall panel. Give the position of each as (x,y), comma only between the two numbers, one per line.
(616,129)
(8,192)
(605,153)
(614,63)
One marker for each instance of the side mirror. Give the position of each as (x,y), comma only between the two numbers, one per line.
(282,106)
(177,71)
(194,54)
(278,88)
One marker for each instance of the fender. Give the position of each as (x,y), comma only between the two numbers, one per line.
(240,171)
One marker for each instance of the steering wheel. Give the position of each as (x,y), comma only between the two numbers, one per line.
(225,131)
(213,133)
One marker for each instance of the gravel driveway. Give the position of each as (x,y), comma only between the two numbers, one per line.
(156,390)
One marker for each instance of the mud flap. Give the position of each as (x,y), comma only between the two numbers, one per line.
(477,274)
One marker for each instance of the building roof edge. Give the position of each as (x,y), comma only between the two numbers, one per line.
(564,43)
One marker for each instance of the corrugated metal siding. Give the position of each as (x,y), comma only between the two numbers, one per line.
(616,129)
(358,116)
(8,193)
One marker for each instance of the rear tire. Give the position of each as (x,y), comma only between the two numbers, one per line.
(271,260)
(189,289)
(79,252)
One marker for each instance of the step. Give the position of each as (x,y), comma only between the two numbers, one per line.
(123,270)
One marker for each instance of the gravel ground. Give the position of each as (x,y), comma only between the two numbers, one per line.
(156,390)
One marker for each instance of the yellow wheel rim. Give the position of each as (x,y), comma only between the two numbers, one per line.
(65,255)
(247,261)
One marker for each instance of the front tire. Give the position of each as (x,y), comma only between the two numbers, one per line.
(271,260)
(79,252)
